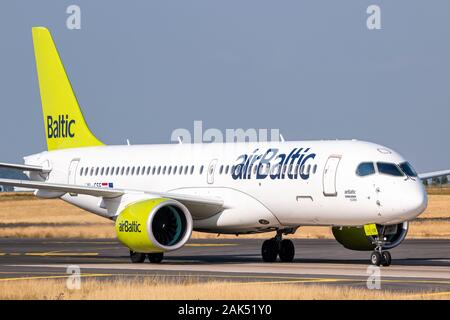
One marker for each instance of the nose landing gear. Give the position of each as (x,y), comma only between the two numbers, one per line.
(277,246)
(379,257)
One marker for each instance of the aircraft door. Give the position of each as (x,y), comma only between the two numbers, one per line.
(73,171)
(329,176)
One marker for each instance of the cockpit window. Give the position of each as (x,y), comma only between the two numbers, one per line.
(389,169)
(408,169)
(365,169)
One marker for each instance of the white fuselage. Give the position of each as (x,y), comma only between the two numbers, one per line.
(317,184)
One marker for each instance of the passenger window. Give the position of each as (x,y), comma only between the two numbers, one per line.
(192,169)
(365,169)
(201,169)
(389,169)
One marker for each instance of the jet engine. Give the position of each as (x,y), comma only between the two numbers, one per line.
(154,225)
(355,238)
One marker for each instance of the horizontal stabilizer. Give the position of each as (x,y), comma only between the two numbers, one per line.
(24,167)
(66,188)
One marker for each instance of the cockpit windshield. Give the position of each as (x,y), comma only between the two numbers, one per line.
(389,169)
(408,169)
(365,169)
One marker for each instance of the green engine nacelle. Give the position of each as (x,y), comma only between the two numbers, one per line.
(355,238)
(154,225)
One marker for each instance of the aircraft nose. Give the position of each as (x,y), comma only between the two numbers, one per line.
(403,202)
(418,200)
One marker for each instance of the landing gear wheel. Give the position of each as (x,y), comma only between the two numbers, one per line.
(287,250)
(375,258)
(137,257)
(269,250)
(155,257)
(387,259)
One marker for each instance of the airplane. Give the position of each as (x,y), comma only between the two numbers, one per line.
(158,194)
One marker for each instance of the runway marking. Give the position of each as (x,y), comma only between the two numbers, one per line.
(210,245)
(34,272)
(270,279)
(60,254)
(78,242)
(306,280)
(54,277)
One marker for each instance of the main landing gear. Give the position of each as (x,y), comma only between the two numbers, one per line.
(278,247)
(138,257)
(379,257)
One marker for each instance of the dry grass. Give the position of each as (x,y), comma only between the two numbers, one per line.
(23,215)
(439,190)
(148,288)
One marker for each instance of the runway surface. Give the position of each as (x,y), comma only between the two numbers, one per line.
(417,265)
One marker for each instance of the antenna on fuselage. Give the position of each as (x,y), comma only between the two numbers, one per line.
(128,142)
(180,141)
(282,138)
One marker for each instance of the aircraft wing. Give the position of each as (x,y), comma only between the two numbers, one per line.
(24,167)
(64,188)
(434,174)
(199,207)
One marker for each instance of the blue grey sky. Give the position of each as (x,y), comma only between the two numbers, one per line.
(140,69)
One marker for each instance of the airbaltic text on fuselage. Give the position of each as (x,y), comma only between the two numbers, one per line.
(60,127)
(273,164)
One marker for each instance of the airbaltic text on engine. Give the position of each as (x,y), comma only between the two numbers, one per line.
(126,226)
